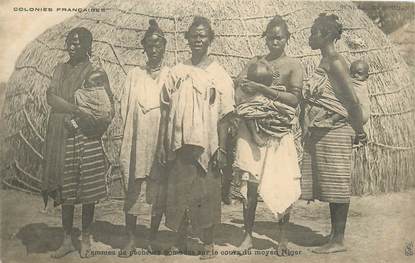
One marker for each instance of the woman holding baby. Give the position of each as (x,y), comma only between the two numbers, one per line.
(74,158)
(332,118)
(266,158)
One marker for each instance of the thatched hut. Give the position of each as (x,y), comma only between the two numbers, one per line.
(385,164)
(404,39)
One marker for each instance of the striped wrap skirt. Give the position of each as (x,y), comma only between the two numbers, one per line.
(327,165)
(84,171)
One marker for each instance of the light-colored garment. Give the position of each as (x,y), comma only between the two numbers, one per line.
(197,98)
(141,98)
(94,100)
(274,166)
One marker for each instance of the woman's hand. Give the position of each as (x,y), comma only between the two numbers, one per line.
(219,159)
(86,118)
(361,138)
(250,87)
(161,156)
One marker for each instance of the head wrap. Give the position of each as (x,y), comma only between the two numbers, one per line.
(153,29)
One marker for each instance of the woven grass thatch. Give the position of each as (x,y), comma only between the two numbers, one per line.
(404,39)
(386,164)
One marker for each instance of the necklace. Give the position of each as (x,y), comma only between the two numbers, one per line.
(152,69)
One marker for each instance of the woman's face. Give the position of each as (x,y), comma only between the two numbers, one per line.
(276,39)
(154,48)
(316,39)
(199,40)
(74,48)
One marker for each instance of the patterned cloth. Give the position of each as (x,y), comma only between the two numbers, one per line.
(319,91)
(59,139)
(84,176)
(94,101)
(65,81)
(273,118)
(327,165)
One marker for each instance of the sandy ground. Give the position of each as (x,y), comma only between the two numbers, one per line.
(379,228)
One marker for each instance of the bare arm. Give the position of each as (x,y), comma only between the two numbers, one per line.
(163,127)
(61,105)
(292,94)
(290,97)
(223,126)
(57,103)
(344,88)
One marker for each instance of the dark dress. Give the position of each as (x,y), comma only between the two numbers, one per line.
(74,166)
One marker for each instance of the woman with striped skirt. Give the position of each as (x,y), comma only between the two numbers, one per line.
(75,161)
(327,163)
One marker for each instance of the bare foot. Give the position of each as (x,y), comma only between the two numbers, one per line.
(85,246)
(208,252)
(179,248)
(66,248)
(330,237)
(282,245)
(331,247)
(128,250)
(150,247)
(246,244)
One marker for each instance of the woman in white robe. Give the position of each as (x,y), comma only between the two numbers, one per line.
(144,180)
(271,170)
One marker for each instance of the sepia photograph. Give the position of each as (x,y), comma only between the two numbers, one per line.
(214,131)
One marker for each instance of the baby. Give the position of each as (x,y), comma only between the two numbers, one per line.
(250,106)
(93,99)
(264,118)
(359,71)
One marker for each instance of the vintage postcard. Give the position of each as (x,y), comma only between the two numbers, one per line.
(218,131)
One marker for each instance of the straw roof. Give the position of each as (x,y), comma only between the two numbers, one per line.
(404,39)
(386,164)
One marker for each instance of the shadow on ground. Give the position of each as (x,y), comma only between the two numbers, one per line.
(40,238)
(299,235)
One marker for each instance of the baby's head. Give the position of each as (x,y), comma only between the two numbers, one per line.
(95,79)
(359,70)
